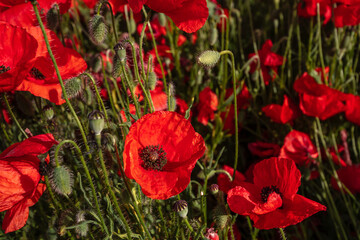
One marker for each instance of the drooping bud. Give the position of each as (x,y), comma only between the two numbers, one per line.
(62,180)
(98,29)
(152,80)
(73,87)
(208,58)
(132,26)
(96,121)
(82,227)
(214,189)
(119,59)
(181,207)
(48,112)
(162,19)
(52,17)
(213,36)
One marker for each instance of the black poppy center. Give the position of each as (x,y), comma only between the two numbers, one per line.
(4,69)
(154,157)
(266,191)
(37,74)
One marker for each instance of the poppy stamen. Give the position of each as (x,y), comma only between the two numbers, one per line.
(266,191)
(37,74)
(4,69)
(154,157)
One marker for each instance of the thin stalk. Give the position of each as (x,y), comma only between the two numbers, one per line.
(282,233)
(98,95)
(112,20)
(131,90)
(34,3)
(13,115)
(52,196)
(163,220)
(235,109)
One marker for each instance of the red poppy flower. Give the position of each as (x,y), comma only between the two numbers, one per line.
(158,30)
(208,103)
(350,177)
(347,15)
(188,15)
(308,8)
(268,61)
(299,148)
(263,149)
(181,107)
(243,101)
(165,53)
(161,149)
(224,182)
(283,114)
(318,100)
(18,49)
(20,186)
(337,160)
(158,96)
(132,110)
(42,80)
(271,200)
(211,234)
(352,112)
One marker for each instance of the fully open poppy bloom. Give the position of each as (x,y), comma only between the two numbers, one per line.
(283,114)
(264,149)
(161,149)
(224,182)
(208,103)
(318,100)
(350,177)
(268,61)
(347,14)
(299,148)
(308,8)
(20,186)
(15,61)
(271,200)
(188,15)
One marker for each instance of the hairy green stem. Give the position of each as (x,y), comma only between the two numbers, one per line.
(13,115)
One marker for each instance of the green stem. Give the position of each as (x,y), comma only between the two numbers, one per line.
(52,196)
(13,115)
(112,20)
(34,3)
(98,95)
(283,236)
(112,194)
(188,224)
(235,109)
(131,90)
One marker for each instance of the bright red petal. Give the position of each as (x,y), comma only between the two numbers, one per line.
(15,218)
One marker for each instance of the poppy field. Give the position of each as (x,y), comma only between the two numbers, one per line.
(188,119)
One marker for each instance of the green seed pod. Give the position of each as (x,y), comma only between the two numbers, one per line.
(98,29)
(48,112)
(96,121)
(52,17)
(132,26)
(181,207)
(213,36)
(73,87)
(152,80)
(162,19)
(62,180)
(208,59)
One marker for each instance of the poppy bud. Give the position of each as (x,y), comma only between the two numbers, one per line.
(73,87)
(213,36)
(132,26)
(152,80)
(208,58)
(181,207)
(52,17)
(119,59)
(62,180)
(162,19)
(82,227)
(96,121)
(48,112)
(214,189)
(98,29)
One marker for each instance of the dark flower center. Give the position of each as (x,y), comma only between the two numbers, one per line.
(4,69)
(154,157)
(266,191)
(44,168)
(37,74)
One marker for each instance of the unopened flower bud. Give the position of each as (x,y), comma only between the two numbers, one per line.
(73,87)
(213,36)
(208,59)
(96,121)
(52,17)
(181,207)
(152,80)
(48,112)
(214,189)
(162,19)
(62,180)
(98,29)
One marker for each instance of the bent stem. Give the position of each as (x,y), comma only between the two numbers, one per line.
(235,109)
(34,3)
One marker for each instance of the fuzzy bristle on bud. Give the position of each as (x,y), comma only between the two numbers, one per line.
(98,29)
(73,87)
(152,80)
(62,180)
(52,17)
(96,121)
(208,58)
(181,207)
